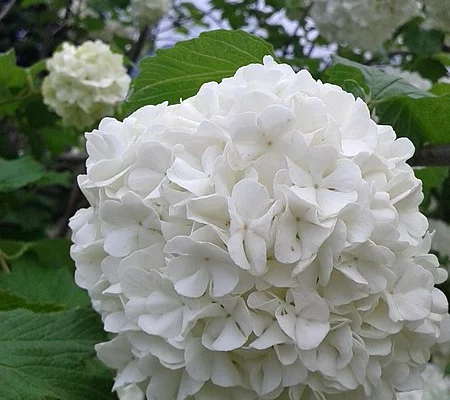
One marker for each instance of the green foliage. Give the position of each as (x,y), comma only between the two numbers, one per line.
(18,173)
(414,113)
(423,41)
(376,84)
(10,301)
(13,82)
(48,330)
(50,285)
(45,355)
(432,180)
(425,120)
(179,72)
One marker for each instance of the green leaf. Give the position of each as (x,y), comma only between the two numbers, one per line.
(48,356)
(13,83)
(54,253)
(55,178)
(425,120)
(423,41)
(180,71)
(428,67)
(10,301)
(35,281)
(19,173)
(59,139)
(11,76)
(432,178)
(376,84)
(12,249)
(440,89)
(444,58)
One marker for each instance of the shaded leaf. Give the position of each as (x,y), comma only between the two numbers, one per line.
(45,356)
(376,83)
(19,173)
(31,279)
(10,301)
(425,120)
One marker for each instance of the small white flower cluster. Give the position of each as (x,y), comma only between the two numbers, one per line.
(413,78)
(146,12)
(364,24)
(85,83)
(260,240)
(437,14)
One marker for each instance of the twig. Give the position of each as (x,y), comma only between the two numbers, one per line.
(73,158)
(136,51)
(433,156)
(3,265)
(7,9)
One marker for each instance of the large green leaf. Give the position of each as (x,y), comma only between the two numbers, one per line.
(10,301)
(20,172)
(178,73)
(49,356)
(377,85)
(44,275)
(425,120)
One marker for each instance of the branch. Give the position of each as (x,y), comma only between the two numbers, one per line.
(136,51)
(3,264)
(7,9)
(433,156)
(72,206)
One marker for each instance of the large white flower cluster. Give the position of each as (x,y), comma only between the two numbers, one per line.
(85,83)
(364,24)
(146,12)
(260,240)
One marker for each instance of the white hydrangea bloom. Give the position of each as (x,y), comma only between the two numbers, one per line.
(85,83)
(260,240)
(146,12)
(411,77)
(364,24)
(437,15)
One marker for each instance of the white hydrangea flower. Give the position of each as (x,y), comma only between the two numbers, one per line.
(260,240)
(364,24)
(85,83)
(146,12)
(437,15)
(412,78)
